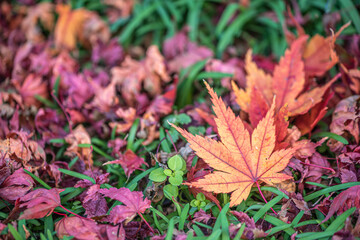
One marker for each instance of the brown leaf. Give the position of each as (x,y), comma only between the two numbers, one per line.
(346,117)
(79,136)
(132,75)
(319,54)
(128,116)
(43,13)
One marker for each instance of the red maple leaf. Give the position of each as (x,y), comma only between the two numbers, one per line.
(40,203)
(133,204)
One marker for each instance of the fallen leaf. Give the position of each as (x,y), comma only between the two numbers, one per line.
(201,216)
(43,13)
(123,7)
(346,117)
(129,161)
(69,25)
(94,203)
(128,116)
(232,66)
(16,185)
(240,163)
(319,54)
(76,137)
(79,228)
(255,77)
(109,232)
(344,201)
(162,104)
(182,53)
(308,121)
(94,29)
(133,204)
(40,203)
(134,75)
(250,230)
(287,83)
(105,97)
(33,85)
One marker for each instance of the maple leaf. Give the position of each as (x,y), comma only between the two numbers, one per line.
(77,227)
(308,121)
(33,85)
(40,203)
(68,25)
(287,83)
(16,185)
(129,162)
(346,117)
(76,137)
(94,203)
(241,161)
(344,201)
(134,204)
(128,116)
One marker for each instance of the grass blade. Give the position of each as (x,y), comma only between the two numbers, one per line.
(266,207)
(330,189)
(37,179)
(330,135)
(77,175)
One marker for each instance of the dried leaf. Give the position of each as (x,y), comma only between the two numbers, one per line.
(43,13)
(132,75)
(346,117)
(240,163)
(79,136)
(128,116)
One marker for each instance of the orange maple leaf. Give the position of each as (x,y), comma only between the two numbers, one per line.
(69,25)
(288,84)
(240,161)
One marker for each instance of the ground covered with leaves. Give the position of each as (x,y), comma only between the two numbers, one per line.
(179,119)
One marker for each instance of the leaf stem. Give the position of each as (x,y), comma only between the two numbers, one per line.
(64,110)
(314,165)
(167,132)
(72,212)
(151,229)
(62,214)
(257,184)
